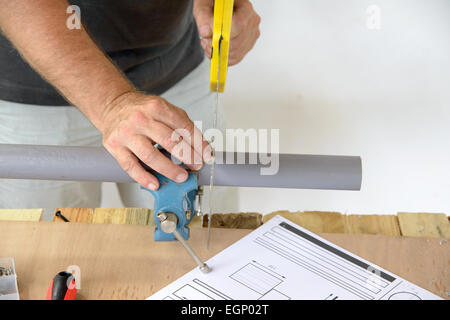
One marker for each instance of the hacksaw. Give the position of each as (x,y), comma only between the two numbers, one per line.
(223,14)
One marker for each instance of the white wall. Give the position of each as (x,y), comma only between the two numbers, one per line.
(332,86)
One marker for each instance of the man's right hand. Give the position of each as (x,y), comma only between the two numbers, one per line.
(134,122)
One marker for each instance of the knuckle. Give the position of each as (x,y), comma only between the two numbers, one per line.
(205,13)
(187,128)
(258,19)
(128,165)
(182,113)
(158,106)
(124,129)
(172,140)
(137,117)
(148,156)
(110,143)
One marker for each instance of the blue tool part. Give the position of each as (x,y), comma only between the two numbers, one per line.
(178,198)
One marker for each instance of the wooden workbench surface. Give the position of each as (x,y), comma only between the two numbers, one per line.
(123,261)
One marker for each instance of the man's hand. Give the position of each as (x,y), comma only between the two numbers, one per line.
(244,28)
(131,122)
(134,122)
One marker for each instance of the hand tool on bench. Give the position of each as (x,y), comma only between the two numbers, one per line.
(62,287)
(174,202)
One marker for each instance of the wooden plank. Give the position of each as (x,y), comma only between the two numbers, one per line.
(422,224)
(109,216)
(137,216)
(372,224)
(295,217)
(21,214)
(249,220)
(123,262)
(133,216)
(315,221)
(322,221)
(150,221)
(83,215)
(196,222)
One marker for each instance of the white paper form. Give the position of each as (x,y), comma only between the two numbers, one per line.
(281,260)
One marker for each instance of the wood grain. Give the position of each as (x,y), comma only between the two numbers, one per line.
(424,224)
(123,261)
(133,216)
(21,214)
(372,224)
(315,221)
(248,220)
(75,215)
(408,224)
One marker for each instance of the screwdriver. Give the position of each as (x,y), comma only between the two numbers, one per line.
(62,287)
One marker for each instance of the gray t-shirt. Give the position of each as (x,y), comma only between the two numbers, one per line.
(154,42)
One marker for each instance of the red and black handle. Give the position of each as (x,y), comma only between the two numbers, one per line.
(62,287)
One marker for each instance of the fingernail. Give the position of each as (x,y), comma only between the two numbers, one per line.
(181,177)
(151,186)
(207,154)
(204,31)
(197,166)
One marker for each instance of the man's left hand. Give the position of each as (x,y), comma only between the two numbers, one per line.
(244,28)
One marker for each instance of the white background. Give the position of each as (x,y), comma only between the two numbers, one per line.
(333,86)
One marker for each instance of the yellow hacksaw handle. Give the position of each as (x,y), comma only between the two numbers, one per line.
(223,13)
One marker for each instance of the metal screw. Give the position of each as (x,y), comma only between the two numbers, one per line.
(5,271)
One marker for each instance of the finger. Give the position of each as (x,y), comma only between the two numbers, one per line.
(143,149)
(238,53)
(131,165)
(208,52)
(251,33)
(207,47)
(173,142)
(206,42)
(204,17)
(237,27)
(241,18)
(238,44)
(177,118)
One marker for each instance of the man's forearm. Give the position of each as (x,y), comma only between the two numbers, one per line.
(68,59)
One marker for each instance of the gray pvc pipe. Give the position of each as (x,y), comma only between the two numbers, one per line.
(59,163)
(96,164)
(298,171)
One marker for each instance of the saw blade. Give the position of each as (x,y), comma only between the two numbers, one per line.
(211,181)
